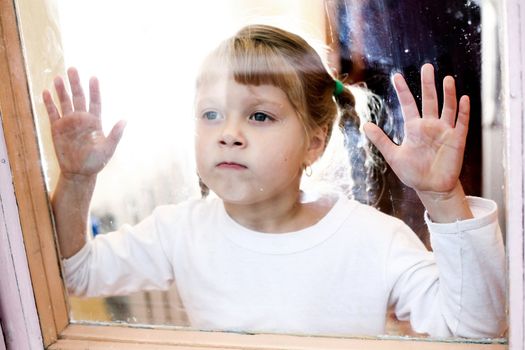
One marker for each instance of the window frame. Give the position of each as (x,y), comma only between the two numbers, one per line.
(34,267)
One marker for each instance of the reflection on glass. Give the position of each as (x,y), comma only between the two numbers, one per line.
(147,61)
(153,55)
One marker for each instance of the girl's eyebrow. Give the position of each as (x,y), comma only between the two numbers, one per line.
(257,102)
(263,101)
(207,101)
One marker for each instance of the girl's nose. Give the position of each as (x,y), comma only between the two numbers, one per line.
(232,136)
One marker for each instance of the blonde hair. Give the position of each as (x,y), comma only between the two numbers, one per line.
(262,54)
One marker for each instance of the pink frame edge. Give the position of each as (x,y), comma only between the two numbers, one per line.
(514,45)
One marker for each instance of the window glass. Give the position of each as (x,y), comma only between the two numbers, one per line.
(147,55)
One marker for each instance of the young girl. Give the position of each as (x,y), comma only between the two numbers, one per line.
(260,256)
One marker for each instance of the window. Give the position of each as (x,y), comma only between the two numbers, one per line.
(29,184)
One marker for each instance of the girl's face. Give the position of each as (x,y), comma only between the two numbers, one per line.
(250,143)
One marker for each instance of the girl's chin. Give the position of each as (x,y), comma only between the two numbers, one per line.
(237,192)
(241,198)
(237,199)
(233,196)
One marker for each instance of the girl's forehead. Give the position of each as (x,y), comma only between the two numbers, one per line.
(228,87)
(249,69)
(213,76)
(220,75)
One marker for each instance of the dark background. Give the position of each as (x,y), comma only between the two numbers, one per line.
(377,38)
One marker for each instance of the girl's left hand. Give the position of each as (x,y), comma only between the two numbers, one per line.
(430,157)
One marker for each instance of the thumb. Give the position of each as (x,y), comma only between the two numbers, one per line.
(380,140)
(114,137)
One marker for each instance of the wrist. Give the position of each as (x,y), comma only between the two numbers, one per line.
(70,202)
(77,180)
(77,190)
(444,207)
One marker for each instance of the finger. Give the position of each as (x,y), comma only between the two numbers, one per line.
(79,100)
(406,99)
(380,140)
(463,115)
(51,108)
(450,103)
(94,97)
(63,96)
(114,137)
(428,92)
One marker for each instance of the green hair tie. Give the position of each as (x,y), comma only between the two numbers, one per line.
(339,87)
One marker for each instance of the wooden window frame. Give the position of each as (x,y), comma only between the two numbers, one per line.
(33,302)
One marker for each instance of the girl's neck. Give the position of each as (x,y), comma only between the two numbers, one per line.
(284,215)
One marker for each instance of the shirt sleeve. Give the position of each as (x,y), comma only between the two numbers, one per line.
(120,262)
(459,289)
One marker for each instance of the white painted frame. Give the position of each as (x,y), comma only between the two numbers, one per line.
(514,51)
(18,313)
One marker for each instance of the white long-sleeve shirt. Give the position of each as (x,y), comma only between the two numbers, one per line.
(337,277)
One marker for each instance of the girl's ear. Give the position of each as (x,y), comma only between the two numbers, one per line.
(317,144)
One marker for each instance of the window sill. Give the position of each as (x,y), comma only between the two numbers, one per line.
(118,337)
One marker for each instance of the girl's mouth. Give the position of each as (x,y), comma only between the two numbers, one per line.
(231,165)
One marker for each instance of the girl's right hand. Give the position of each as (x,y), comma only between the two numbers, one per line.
(81,147)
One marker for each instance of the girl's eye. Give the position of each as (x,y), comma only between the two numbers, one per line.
(211,115)
(261,117)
